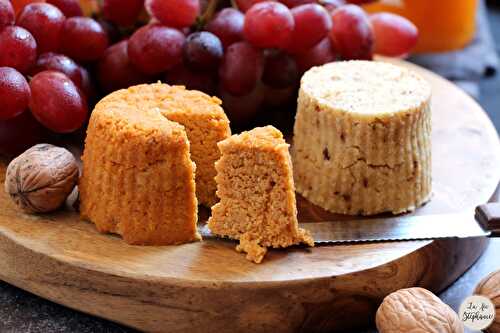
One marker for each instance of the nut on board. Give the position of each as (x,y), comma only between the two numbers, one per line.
(489,287)
(416,310)
(40,179)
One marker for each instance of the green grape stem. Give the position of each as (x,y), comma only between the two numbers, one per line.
(207,15)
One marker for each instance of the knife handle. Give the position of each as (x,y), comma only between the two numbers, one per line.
(488,216)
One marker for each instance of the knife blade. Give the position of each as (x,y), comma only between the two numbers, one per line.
(398,228)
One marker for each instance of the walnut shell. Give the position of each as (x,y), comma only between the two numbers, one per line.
(490,287)
(416,310)
(40,179)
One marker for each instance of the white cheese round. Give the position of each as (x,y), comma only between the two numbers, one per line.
(362,138)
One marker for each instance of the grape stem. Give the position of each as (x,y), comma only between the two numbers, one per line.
(207,15)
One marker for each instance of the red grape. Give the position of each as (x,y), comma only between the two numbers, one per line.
(14,93)
(122,12)
(331,5)
(352,33)
(7,16)
(320,54)
(20,133)
(245,5)
(203,5)
(86,87)
(69,8)
(280,97)
(280,71)
(18,48)
(56,102)
(83,39)
(268,24)
(312,24)
(228,26)
(241,68)
(60,63)
(202,81)
(394,34)
(45,23)
(202,51)
(19,4)
(115,70)
(295,3)
(174,13)
(241,109)
(112,31)
(155,48)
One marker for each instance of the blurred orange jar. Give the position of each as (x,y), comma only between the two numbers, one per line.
(443,25)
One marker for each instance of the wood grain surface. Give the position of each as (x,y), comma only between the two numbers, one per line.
(209,287)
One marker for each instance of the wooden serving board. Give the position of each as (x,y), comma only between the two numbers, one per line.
(209,287)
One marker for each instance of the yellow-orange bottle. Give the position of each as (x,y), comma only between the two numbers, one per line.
(443,25)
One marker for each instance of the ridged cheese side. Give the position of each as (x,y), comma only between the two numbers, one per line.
(362,138)
(138,179)
(202,117)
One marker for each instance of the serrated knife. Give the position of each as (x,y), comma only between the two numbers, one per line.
(485,223)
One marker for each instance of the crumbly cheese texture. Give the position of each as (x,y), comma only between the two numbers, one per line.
(257,195)
(362,138)
(138,179)
(202,117)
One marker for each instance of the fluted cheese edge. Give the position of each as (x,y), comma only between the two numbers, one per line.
(354,163)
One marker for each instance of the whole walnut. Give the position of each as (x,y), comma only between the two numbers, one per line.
(416,310)
(490,287)
(40,179)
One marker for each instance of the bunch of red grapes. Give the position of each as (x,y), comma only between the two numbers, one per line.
(250,53)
